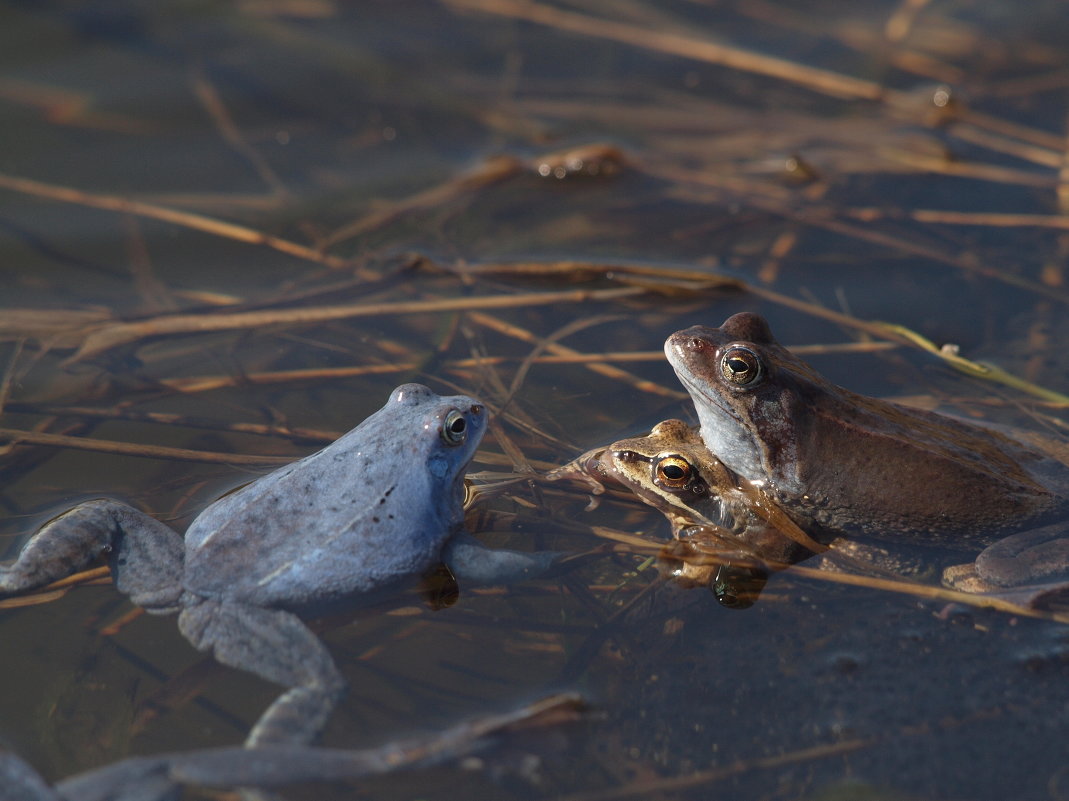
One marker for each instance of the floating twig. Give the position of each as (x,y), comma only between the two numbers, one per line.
(108,336)
(186,219)
(138,449)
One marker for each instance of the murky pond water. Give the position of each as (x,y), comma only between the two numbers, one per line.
(234,228)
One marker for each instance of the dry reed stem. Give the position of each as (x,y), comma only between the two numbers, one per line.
(135,449)
(206,93)
(197,222)
(489,172)
(1037,154)
(9,374)
(57,589)
(818,80)
(61,330)
(639,545)
(596,158)
(70,108)
(998,134)
(607,270)
(885,331)
(901,22)
(192,384)
(826,218)
(1042,140)
(656,787)
(171,419)
(117,625)
(928,592)
(102,339)
(554,348)
(544,344)
(945,217)
(208,383)
(992,173)
(155,296)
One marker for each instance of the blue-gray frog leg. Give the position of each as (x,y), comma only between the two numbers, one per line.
(161,777)
(145,556)
(275,645)
(474,563)
(20,782)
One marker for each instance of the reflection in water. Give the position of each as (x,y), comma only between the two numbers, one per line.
(692,565)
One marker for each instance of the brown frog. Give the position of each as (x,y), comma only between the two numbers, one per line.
(728,532)
(671,470)
(842,464)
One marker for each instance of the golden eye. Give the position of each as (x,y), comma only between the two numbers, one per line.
(740,366)
(454,429)
(673,472)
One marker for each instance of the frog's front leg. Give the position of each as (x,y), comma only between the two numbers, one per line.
(144,555)
(475,563)
(275,645)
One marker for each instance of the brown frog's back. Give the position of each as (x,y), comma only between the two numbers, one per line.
(902,473)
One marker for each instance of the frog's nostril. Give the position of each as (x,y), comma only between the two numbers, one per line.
(697,344)
(476,408)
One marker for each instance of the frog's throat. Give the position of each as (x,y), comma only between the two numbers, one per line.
(725,433)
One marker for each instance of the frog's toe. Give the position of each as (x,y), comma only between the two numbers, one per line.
(965,578)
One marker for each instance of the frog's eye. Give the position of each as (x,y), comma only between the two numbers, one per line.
(740,366)
(454,429)
(673,472)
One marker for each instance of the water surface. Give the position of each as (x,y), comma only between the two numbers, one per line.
(257,159)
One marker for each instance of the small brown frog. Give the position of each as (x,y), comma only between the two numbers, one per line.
(728,532)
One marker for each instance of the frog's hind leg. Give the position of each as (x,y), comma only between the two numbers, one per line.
(1027,557)
(276,645)
(145,556)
